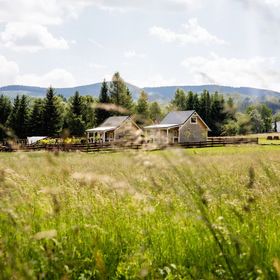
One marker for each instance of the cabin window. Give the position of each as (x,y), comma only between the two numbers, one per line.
(193,119)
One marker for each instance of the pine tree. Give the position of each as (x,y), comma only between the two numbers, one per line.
(18,119)
(36,120)
(13,117)
(119,93)
(88,113)
(190,101)
(117,89)
(142,108)
(51,114)
(128,101)
(205,106)
(155,112)
(5,110)
(76,123)
(102,114)
(195,102)
(218,114)
(23,118)
(77,104)
(180,100)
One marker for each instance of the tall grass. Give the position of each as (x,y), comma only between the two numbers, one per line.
(178,214)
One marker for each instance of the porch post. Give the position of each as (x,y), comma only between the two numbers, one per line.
(167,134)
(103,136)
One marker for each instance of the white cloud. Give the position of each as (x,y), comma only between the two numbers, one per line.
(257,71)
(52,12)
(193,33)
(96,43)
(134,54)
(269,9)
(97,66)
(126,5)
(8,71)
(10,74)
(45,12)
(56,78)
(273,3)
(26,22)
(270,4)
(21,36)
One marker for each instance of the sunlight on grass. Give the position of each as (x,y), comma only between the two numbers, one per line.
(175,214)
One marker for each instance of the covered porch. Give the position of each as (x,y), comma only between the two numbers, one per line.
(101,135)
(167,134)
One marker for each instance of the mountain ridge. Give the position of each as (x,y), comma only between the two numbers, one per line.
(161,93)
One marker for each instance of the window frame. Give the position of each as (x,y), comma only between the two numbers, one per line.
(192,118)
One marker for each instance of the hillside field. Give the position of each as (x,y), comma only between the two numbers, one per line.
(209,213)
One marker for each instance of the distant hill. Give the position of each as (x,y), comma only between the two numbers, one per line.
(92,89)
(168,92)
(242,95)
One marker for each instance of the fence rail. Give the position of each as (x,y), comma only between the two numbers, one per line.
(106,147)
(220,141)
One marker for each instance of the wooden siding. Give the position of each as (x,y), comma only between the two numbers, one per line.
(127,131)
(193,132)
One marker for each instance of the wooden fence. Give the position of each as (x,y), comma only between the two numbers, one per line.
(91,147)
(220,141)
(106,147)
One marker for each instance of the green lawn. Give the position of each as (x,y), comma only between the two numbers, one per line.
(269,142)
(263,138)
(177,214)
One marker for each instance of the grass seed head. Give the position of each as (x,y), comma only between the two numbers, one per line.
(48,234)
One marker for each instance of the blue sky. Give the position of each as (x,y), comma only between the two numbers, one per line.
(151,42)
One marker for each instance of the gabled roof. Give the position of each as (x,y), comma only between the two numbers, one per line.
(109,124)
(177,117)
(114,121)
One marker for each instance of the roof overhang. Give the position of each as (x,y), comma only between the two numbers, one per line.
(101,129)
(161,126)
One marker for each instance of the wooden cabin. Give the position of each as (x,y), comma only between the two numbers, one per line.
(114,129)
(178,127)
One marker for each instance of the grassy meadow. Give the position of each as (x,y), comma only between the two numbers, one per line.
(177,214)
(263,138)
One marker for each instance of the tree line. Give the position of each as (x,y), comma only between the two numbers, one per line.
(222,115)
(53,115)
